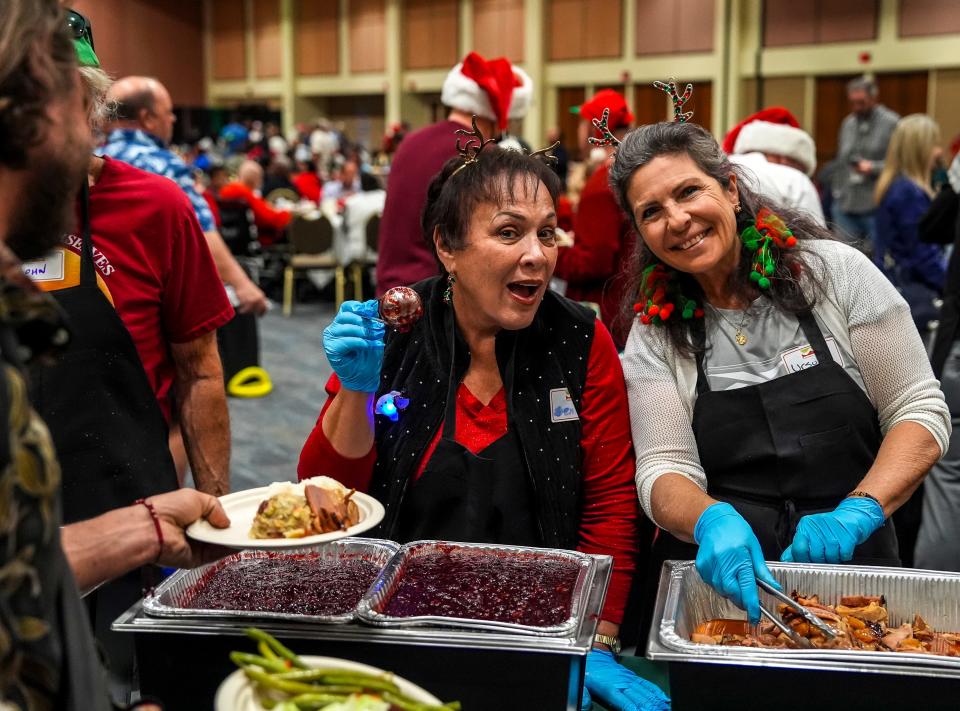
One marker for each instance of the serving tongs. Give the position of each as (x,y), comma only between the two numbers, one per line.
(798,639)
(825,629)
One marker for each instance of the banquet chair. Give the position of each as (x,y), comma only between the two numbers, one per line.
(369,261)
(311,247)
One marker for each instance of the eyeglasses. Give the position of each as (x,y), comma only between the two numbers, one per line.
(80,27)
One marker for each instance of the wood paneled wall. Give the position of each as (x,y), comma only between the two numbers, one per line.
(498,28)
(229,26)
(135,36)
(317,37)
(674,26)
(584,29)
(368,35)
(431,34)
(929,17)
(266,38)
(790,22)
(568,123)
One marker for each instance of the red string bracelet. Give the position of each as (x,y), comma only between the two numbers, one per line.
(156,524)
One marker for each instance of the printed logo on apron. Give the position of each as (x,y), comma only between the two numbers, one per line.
(561,406)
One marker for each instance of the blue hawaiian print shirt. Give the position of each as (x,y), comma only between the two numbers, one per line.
(149,153)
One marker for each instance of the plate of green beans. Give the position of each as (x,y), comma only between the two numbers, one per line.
(277,679)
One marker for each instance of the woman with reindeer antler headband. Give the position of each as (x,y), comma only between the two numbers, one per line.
(781,400)
(501,415)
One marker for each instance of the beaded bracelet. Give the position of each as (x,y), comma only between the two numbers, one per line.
(864,495)
(156,524)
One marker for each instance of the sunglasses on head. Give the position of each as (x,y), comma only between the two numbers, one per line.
(80,27)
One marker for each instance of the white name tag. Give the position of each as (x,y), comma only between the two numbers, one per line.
(803,357)
(49,269)
(561,406)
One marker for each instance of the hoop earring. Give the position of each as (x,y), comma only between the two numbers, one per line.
(448,292)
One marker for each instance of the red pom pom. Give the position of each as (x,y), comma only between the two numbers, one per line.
(664,315)
(791,241)
(637,308)
(698,313)
(653,310)
(645,319)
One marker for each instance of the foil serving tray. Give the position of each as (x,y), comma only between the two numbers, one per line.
(372,605)
(170,598)
(685,601)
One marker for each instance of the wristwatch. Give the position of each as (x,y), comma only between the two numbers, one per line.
(612,642)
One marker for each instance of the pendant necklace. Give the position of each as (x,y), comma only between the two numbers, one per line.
(739,336)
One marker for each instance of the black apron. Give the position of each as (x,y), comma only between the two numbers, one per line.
(783,449)
(473,498)
(109,433)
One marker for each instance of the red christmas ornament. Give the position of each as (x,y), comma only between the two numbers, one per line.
(401,307)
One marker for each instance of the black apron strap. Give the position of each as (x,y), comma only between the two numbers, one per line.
(88,274)
(811,330)
(699,335)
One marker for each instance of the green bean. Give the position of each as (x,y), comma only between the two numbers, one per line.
(243,660)
(265,651)
(375,682)
(270,682)
(277,647)
(316,701)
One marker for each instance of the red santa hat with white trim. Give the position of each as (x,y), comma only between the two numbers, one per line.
(773,130)
(493,89)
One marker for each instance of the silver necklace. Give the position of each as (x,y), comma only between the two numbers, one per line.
(739,336)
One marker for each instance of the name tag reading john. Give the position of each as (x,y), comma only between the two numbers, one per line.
(48,269)
(803,357)
(561,406)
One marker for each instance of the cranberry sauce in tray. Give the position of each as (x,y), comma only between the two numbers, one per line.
(322,583)
(476,585)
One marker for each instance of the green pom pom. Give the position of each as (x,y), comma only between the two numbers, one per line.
(768,269)
(763,283)
(755,276)
(687,314)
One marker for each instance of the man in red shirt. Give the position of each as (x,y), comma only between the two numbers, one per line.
(603,237)
(270,223)
(492,90)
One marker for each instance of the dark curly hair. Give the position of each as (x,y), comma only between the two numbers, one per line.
(454,194)
(641,146)
(37,57)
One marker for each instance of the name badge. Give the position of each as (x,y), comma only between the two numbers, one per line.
(561,406)
(47,269)
(803,357)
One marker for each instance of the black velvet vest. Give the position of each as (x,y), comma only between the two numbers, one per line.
(550,354)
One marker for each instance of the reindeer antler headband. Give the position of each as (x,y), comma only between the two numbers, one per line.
(670,87)
(679,115)
(470,149)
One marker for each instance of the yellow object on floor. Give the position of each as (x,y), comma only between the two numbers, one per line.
(250,382)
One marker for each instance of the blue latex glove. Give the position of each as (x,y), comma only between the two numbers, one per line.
(618,688)
(354,346)
(832,536)
(730,559)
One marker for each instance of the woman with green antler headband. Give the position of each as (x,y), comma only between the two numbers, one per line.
(782,404)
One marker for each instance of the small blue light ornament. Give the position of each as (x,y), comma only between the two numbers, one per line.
(391,405)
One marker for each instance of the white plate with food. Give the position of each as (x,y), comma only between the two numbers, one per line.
(287,515)
(236,693)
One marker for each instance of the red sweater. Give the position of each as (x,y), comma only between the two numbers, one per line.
(603,240)
(403,257)
(270,223)
(608,521)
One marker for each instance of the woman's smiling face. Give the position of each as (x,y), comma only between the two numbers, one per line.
(505,267)
(685,217)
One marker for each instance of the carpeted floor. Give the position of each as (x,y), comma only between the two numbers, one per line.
(269,432)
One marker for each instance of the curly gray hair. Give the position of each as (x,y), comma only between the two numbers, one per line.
(101,109)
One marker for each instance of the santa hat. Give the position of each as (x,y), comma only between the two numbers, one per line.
(493,89)
(773,130)
(620,115)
